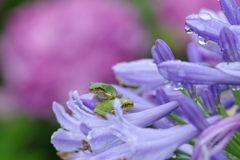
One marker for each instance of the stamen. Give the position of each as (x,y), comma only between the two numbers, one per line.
(85,147)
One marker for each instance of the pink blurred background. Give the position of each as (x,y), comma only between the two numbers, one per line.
(52,47)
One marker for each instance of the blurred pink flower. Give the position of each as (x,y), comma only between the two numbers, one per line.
(50,48)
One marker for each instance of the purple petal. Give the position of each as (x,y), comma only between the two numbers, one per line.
(65,141)
(64,119)
(149,116)
(161,96)
(199,54)
(192,113)
(133,96)
(205,26)
(229,7)
(119,152)
(78,101)
(229,44)
(91,120)
(209,102)
(193,53)
(138,73)
(163,123)
(88,100)
(212,46)
(232,68)
(162,52)
(190,73)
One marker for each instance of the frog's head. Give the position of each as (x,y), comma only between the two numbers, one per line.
(126,103)
(101,88)
(96,88)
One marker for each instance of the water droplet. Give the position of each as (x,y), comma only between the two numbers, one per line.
(234,88)
(205,16)
(202,40)
(174,155)
(188,30)
(176,86)
(181,73)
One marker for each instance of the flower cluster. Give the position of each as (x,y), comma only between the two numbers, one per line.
(182,110)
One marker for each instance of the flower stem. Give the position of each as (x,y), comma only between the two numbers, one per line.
(237,97)
(177,119)
(221,111)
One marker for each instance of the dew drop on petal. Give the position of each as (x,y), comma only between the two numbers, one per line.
(202,40)
(205,16)
(188,30)
(174,155)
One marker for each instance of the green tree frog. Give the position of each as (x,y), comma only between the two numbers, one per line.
(106,107)
(103,91)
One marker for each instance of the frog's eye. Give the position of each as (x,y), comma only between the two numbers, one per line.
(97,88)
(125,105)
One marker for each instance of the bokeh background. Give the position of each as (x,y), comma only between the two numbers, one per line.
(51,47)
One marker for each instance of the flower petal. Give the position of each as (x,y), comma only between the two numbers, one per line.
(64,119)
(65,141)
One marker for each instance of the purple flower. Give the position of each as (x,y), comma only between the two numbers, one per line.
(94,130)
(60,51)
(161,52)
(148,143)
(215,138)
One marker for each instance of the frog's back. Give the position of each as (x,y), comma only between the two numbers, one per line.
(110,89)
(106,106)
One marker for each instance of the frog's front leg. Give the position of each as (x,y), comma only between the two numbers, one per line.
(100,113)
(109,96)
(119,95)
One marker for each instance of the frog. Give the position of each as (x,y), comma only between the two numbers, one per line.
(103,91)
(107,107)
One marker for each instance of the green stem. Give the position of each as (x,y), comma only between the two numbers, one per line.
(182,153)
(192,142)
(179,158)
(221,111)
(177,119)
(201,102)
(232,150)
(203,112)
(237,97)
(237,134)
(184,92)
(235,139)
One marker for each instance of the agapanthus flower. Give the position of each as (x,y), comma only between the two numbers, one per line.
(85,125)
(174,103)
